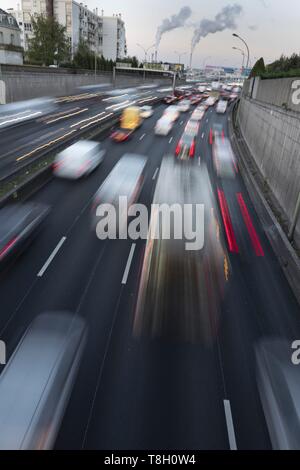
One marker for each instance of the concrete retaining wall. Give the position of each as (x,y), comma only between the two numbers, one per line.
(279,92)
(273,137)
(23,83)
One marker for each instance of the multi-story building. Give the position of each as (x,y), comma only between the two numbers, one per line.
(114,37)
(104,35)
(11,51)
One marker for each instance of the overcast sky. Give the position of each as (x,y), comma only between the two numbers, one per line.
(271,27)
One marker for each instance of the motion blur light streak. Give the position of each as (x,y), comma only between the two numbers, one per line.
(45,146)
(67,116)
(227,222)
(250,227)
(86,120)
(96,120)
(27,116)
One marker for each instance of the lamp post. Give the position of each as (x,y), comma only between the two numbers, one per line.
(145,50)
(180,54)
(243,54)
(244,42)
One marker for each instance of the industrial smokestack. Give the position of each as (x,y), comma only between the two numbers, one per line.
(168,24)
(226,19)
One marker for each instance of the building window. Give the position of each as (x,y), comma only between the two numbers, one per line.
(12,38)
(1,37)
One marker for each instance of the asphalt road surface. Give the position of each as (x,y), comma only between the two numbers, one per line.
(143,393)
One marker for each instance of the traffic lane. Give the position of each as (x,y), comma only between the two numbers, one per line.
(140,393)
(67,199)
(261,304)
(154,393)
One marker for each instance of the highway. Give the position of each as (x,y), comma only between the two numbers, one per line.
(148,393)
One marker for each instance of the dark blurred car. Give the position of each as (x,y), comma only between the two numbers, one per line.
(170,99)
(186,147)
(36,383)
(279,387)
(18,224)
(217,130)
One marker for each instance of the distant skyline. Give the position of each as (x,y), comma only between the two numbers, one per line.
(269,29)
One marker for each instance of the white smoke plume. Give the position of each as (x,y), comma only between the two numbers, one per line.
(226,19)
(168,24)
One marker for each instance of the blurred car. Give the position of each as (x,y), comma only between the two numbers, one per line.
(180,291)
(217,130)
(198,114)
(163,126)
(211,101)
(184,105)
(78,160)
(146,112)
(202,89)
(37,381)
(195,99)
(192,128)
(223,158)
(125,180)
(279,388)
(18,224)
(186,147)
(131,119)
(221,107)
(170,99)
(172,113)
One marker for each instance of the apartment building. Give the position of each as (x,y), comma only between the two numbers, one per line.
(114,37)
(104,34)
(11,51)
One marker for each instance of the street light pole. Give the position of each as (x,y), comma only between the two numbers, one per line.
(243,54)
(244,42)
(180,54)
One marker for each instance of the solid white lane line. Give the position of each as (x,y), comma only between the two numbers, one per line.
(51,257)
(206,120)
(155,174)
(181,123)
(142,136)
(202,135)
(171,140)
(229,423)
(129,261)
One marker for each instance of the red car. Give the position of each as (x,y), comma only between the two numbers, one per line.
(186,147)
(170,99)
(195,99)
(120,135)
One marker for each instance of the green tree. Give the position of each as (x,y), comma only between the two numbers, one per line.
(49,44)
(258,69)
(84,58)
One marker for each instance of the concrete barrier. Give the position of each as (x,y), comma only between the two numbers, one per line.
(26,82)
(273,138)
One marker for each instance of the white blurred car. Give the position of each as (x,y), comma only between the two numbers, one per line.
(163,126)
(172,113)
(198,114)
(78,160)
(184,106)
(223,158)
(221,107)
(146,112)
